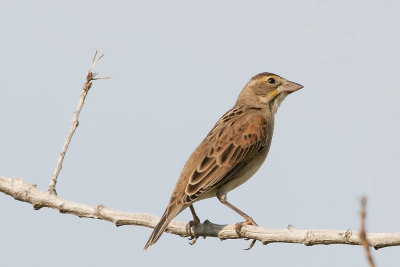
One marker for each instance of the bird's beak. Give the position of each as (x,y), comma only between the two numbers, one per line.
(289,87)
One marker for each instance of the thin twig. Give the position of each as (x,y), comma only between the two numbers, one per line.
(85,89)
(363,235)
(23,191)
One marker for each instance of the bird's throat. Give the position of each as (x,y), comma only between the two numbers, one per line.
(275,102)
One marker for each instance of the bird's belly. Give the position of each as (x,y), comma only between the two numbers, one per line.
(245,173)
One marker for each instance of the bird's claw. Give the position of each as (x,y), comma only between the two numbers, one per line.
(251,244)
(239,226)
(193,238)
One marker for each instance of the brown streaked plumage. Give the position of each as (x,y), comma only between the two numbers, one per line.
(232,151)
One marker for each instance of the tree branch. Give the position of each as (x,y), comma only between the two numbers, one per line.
(85,89)
(23,191)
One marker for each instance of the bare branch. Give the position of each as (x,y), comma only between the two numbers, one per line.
(85,89)
(363,235)
(23,191)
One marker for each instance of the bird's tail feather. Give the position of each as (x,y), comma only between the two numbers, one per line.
(167,217)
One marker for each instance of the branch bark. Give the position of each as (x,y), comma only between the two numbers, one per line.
(23,191)
(90,77)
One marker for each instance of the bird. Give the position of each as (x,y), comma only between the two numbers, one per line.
(231,153)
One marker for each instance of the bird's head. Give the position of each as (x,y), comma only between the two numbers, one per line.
(267,90)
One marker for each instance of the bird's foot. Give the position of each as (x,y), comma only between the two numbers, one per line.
(193,238)
(239,226)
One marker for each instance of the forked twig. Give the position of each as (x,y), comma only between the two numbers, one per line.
(85,89)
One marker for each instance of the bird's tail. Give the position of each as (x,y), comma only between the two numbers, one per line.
(167,217)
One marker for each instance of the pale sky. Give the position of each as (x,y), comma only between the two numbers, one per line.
(176,67)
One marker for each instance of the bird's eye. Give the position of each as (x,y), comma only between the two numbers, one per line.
(271,80)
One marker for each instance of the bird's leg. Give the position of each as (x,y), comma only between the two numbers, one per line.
(249,221)
(196,220)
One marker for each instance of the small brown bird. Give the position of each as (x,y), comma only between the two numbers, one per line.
(231,152)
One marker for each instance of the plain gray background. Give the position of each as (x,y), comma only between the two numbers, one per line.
(176,67)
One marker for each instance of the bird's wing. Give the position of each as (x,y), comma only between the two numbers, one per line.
(233,141)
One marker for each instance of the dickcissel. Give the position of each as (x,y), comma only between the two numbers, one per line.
(231,152)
